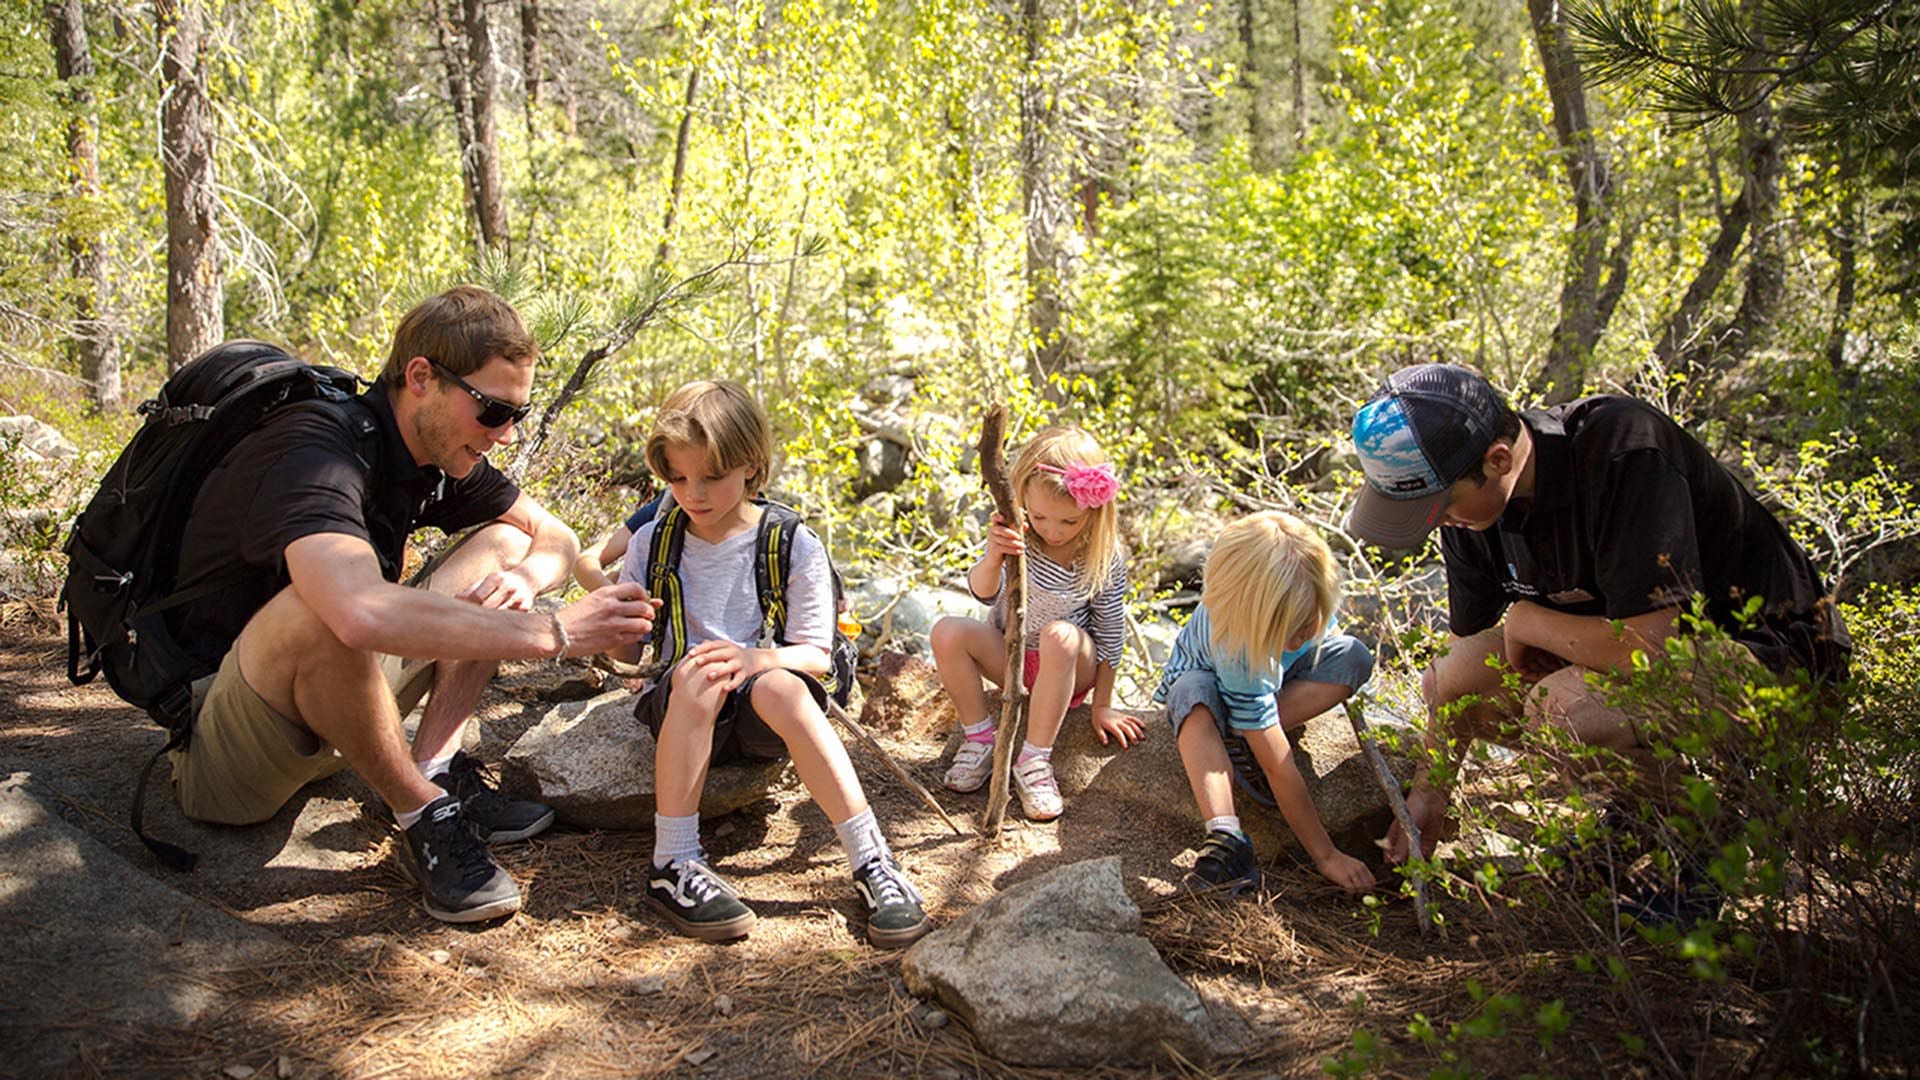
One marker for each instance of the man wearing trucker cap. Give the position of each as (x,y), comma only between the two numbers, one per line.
(1573,536)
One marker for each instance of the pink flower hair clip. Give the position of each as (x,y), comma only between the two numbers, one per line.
(1092,486)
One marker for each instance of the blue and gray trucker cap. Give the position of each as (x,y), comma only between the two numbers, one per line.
(1421,431)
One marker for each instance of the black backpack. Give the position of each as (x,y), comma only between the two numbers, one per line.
(772,566)
(124,552)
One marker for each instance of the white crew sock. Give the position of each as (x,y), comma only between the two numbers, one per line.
(1227,823)
(675,839)
(860,835)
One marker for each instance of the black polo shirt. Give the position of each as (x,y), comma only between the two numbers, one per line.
(306,471)
(1629,514)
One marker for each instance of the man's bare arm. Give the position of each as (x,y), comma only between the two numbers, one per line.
(1589,640)
(338,577)
(551,550)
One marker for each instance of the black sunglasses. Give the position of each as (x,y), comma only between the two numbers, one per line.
(494,413)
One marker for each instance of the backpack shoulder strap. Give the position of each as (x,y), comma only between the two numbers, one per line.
(773,564)
(663,582)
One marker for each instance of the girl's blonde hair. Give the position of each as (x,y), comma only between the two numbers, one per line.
(1269,580)
(1100,539)
(720,418)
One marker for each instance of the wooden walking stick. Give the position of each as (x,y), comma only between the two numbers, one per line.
(1013,697)
(1391,787)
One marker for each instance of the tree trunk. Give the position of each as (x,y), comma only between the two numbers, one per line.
(1299,83)
(1260,149)
(1843,243)
(1590,179)
(1045,345)
(1706,354)
(453,51)
(530,59)
(95,344)
(195,322)
(677,181)
(490,196)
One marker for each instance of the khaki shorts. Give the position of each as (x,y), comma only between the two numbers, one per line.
(245,760)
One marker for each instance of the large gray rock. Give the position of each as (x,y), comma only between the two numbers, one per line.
(593,763)
(883,466)
(42,439)
(1054,971)
(900,616)
(1149,784)
(97,951)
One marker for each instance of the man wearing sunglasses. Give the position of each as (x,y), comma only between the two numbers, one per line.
(300,536)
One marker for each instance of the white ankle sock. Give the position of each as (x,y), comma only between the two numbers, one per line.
(1028,750)
(675,839)
(406,819)
(1227,823)
(860,836)
(981,732)
(431,769)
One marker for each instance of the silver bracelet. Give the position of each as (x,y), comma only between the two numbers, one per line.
(560,631)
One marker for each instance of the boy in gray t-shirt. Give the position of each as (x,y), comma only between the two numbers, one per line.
(729,692)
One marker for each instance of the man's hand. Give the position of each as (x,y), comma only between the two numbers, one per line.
(1523,635)
(510,589)
(1122,726)
(1429,813)
(609,618)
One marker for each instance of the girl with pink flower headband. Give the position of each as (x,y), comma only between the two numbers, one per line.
(1065,487)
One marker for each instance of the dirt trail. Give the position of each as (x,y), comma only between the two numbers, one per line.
(360,982)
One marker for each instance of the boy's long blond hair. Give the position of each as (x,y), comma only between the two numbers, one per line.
(1100,539)
(1269,580)
(720,418)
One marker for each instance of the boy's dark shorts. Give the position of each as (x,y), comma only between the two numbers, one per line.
(738,732)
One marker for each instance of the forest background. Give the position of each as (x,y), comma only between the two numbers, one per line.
(1202,230)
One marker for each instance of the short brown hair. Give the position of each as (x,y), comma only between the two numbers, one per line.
(720,418)
(460,329)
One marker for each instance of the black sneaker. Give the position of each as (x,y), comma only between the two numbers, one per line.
(697,901)
(459,882)
(499,817)
(1248,776)
(894,915)
(1225,864)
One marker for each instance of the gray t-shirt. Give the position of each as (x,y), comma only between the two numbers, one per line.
(718,591)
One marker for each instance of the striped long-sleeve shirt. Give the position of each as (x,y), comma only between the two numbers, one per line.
(1052,597)
(1247,695)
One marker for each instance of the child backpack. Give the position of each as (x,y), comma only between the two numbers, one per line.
(772,567)
(124,551)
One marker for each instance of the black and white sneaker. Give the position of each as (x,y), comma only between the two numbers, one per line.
(697,901)
(894,915)
(459,882)
(499,817)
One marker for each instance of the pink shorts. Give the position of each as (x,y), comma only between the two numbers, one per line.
(1031,667)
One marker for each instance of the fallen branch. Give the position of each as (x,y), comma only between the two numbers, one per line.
(899,773)
(1390,786)
(1013,699)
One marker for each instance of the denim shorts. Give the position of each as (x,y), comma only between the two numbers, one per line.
(1341,659)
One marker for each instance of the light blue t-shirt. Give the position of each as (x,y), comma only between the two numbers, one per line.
(1248,695)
